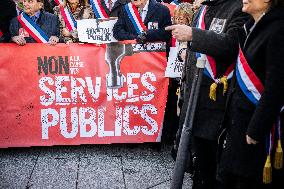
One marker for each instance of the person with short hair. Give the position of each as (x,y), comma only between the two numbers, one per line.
(153,16)
(183,14)
(34,25)
(112,8)
(252,144)
(213,37)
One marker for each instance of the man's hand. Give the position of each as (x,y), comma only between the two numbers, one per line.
(141,38)
(250,140)
(181,32)
(53,40)
(20,40)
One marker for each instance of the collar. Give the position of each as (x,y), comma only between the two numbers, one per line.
(145,8)
(37,14)
(35,17)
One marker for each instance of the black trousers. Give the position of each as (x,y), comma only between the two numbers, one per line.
(232,181)
(205,152)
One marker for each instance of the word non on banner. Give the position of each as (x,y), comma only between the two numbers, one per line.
(96,30)
(58,95)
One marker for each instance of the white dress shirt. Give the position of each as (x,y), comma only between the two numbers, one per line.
(144,11)
(112,4)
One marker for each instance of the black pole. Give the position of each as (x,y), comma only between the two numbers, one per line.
(183,149)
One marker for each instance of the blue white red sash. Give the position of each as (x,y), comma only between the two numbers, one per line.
(58,2)
(98,9)
(210,66)
(248,81)
(68,18)
(135,18)
(253,88)
(32,28)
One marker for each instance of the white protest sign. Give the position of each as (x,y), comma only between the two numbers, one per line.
(96,30)
(174,66)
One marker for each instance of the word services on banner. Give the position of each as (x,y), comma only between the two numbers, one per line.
(60,96)
(96,30)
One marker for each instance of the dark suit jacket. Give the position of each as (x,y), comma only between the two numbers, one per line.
(7,12)
(116,9)
(263,49)
(48,23)
(223,47)
(157,13)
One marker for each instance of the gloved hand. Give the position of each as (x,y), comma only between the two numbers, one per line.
(141,38)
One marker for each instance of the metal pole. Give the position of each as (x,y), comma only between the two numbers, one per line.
(183,149)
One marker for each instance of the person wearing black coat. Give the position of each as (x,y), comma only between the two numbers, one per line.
(157,15)
(116,8)
(47,22)
(248,122)
(222,20)
(7,12)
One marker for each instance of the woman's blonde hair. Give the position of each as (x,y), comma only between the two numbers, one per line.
(185,9)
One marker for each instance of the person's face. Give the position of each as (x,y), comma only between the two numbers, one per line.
(255,7)
(32,6)
(139,3)
(180,19)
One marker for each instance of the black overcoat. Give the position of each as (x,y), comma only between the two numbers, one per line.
(222,45)
(47,22)
(263,48)
(157,13)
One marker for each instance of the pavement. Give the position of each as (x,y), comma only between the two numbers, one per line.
(116,166)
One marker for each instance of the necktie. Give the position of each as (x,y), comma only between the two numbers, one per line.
(110,4)
(34,18)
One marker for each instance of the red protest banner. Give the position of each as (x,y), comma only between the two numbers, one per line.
(58,95)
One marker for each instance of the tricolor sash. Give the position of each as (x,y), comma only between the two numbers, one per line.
(135,18)
(98,9)
(248,81)
(58,2)
(68,18)
(253,88)
(32,28)
(210,65)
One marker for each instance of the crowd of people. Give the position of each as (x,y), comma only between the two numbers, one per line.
(237,132)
